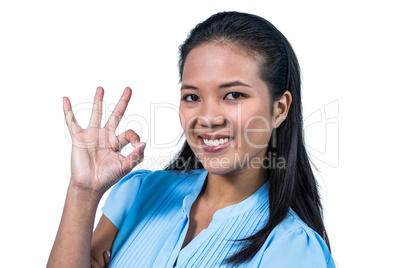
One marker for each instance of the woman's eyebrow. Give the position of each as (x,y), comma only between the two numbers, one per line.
(234,84)
(185,86)
(226,85)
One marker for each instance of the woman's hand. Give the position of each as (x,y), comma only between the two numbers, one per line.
(106,259)
(96,161)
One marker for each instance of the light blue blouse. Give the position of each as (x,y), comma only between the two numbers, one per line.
(151,211)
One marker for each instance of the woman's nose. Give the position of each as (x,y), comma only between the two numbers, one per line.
(211,121)
(211,115)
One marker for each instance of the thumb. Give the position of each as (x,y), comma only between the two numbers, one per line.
(135,157)
(106,257)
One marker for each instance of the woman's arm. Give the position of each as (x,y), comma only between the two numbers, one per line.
(103,240)
(72,246)
(74,239)
(96,165)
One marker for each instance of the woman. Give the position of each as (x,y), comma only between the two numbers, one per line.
(241,191)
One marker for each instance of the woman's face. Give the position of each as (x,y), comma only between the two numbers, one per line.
(225,108)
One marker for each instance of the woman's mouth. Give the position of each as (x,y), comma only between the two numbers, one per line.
(216,144)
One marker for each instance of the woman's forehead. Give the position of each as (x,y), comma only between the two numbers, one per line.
(217,61)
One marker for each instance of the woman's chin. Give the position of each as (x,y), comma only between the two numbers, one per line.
(217,167)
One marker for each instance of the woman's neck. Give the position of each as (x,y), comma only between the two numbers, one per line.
(223,190)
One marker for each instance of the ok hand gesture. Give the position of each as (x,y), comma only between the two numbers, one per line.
(96,161)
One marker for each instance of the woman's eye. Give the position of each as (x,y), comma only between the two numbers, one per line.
(233,95)
(190,97)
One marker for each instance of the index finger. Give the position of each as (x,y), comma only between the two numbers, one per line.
(97,108)
(119,110)
(71,122)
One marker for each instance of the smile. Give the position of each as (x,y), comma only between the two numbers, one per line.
(214,143)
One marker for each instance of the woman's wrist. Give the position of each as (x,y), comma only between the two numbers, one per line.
(84,194)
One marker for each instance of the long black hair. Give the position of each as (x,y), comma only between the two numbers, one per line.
(292,187)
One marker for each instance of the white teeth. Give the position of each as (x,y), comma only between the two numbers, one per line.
(215,142)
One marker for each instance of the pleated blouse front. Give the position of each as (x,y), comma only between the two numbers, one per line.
(151,211)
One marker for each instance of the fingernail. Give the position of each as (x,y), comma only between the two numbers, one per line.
(143,148)
(99,91)
(108,253)
(136,144)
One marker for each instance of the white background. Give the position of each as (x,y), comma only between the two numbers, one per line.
(350,55)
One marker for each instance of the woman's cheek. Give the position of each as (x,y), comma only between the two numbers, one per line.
(182,119)
(188,120)
(256,132)
(185,115)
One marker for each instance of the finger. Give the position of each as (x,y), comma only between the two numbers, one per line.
(94,263)
(106,257)
(71,122)
(136,156)
(96,115)
(127,137)
(119,110)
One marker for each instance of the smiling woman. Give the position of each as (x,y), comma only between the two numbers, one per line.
(227,99)
(217,203)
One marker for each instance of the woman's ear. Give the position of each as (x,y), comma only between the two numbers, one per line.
(281,108)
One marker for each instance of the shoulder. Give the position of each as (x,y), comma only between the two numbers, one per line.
(142,187)
(141,182)
(132,180)
(294,244)
(291,225)
(158,178)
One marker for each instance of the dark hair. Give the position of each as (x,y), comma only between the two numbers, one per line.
(294,186)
